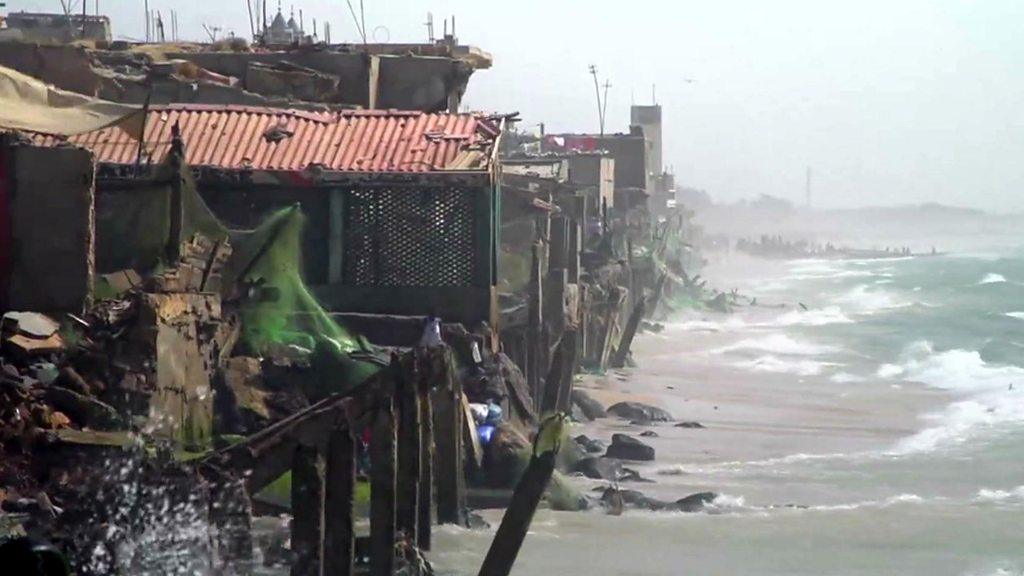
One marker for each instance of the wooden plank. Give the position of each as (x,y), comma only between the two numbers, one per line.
(382,492)
(558,383)
(407,402)
(426,483)
(339,533)
(533,330)
(448,457)
(619,359)
(307,512)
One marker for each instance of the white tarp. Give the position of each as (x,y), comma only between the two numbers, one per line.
(28,104)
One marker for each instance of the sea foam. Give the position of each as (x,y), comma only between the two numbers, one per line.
(779,344)
(992,278)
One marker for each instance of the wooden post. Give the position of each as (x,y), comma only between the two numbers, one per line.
(554,305)
(426,485)
(449,457)
(558,383)
(516,522)
(619,358)
(558,258)
(307,512)
(409,451)
(659,291)
(535,321)
(382,491)
(339,533)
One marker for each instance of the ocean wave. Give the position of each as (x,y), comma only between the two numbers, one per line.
(865,299)
(991,398)
(778,344)
(1017,315)
(992,278)
(847,378)
(998,496)
(812,317)
(776,365)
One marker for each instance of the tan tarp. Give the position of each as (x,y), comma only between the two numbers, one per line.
(28,104)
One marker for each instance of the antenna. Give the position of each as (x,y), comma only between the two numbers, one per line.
(147,19)
(654,94)
(359,27)
(430,27)
(327,32)
(212,31)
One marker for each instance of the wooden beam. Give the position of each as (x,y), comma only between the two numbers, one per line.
(407,401)
(307,512)
(534,324)
(558,384)
(619,358)
(339,533)
(382,492)
(449,455)
(426,483)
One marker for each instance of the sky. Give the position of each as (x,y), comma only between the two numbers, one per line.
(889,102)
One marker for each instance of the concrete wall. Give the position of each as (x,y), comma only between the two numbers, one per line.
(50,199)
(66,67)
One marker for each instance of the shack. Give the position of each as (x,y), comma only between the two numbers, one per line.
(401,206)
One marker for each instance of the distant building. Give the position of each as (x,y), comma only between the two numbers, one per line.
(56,28)
(281,32)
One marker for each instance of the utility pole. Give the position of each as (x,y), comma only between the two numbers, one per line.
(600,106)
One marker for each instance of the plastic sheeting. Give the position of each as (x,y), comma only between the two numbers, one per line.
(28,104)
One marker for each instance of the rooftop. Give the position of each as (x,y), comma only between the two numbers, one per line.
(277,140)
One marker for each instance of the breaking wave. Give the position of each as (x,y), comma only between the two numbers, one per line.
(992,278)
(990,400)
(998,496)
(1017,315)
(865,299)
(813,317)
(779,344)
(774,364)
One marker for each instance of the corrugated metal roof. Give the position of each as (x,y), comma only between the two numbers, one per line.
(272,139)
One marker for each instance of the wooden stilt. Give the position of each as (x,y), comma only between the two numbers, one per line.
(426,485)
(339,533)
(407,401)
(449,456)
(619,358)
(307,512)
(382,492)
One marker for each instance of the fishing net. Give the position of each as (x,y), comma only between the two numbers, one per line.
(263,277)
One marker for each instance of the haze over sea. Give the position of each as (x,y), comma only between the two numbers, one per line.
(881,431)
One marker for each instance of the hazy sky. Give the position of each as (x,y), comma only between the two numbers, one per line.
(898,101)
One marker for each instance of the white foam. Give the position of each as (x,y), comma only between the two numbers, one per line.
(774,364)
(779,343)
(865,299)
(992,278)
(724,502)
(847,378)
(1017,315)
(988,398)
(998,496)
(813,317)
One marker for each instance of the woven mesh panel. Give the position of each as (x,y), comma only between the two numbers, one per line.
(409,237)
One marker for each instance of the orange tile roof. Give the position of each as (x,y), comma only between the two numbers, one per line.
(243,138)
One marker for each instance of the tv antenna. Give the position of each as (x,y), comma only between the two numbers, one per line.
(212,32)
(430,27)
(360,20)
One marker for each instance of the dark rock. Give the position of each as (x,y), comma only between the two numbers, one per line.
(84,410)
(475,521)
(591,408)
(590,445)
(649,434)
(630,475)
(600,468)
(640,412)
(690,425)
(577,414)
(628,448)
(633,499)
(695,502)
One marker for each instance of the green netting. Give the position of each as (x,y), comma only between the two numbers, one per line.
(279,308)
(263,275)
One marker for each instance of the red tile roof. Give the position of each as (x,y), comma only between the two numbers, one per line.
(243,138)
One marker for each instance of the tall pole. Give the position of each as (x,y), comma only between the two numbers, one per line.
(146,4)
(597,90)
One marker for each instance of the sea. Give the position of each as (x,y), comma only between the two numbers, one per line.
(943,496)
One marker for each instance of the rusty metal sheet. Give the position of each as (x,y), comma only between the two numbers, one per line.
(233,137)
